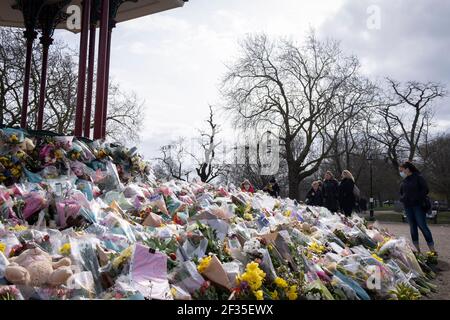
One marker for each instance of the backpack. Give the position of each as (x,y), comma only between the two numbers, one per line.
(356,192)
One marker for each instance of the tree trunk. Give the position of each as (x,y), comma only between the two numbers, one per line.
(293,182)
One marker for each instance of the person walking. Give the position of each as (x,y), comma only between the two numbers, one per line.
(346,193)
(314,195)
(413,195)
(330,192)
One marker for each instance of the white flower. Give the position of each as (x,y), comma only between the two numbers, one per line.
(252,246)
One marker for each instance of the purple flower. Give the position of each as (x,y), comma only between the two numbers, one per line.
(244,285)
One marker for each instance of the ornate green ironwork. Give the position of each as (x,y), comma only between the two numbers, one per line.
(30,10)
(50,16)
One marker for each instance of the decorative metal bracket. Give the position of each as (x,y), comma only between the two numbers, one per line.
(50,16)
(30,10)
(113,9)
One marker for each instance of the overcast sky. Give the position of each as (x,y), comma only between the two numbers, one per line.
(174,60)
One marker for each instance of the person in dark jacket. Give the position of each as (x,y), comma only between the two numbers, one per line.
(413,193)
(273,188)
(346,193)
(314,196)
(330,192)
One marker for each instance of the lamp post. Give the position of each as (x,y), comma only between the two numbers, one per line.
(371,202)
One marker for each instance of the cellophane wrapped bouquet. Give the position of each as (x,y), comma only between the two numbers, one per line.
(87,220)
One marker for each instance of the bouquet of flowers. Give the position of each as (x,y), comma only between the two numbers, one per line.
(10,293)
(250,283)
(10,169)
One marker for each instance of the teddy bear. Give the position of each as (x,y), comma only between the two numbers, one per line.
(34,267)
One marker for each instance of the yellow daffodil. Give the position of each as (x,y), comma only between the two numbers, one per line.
(13,138)
(375,256)
(18,228)
(16,172)
(173,291)
(259,294)
(20,154)
(59,154)
(2,247)
(204,263)
(287,213)
(292,293)
(75,155)
(253,275)
(281,283)
(316,248)
(65,249)
(382,243)
(101,153)
(124,255)
(248,216)
(274,295)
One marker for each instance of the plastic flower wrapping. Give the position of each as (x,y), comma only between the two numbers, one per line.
(95,219)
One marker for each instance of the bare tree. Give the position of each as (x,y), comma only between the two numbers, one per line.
(124,119)
(257,159)
(352,140)
(405,119)
(125,115)
(437,155)
(172,164)
(293,90)
(207,165)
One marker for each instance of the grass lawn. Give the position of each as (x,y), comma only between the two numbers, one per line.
(384,208)
(391,216)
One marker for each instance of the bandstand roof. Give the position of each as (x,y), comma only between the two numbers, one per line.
(127,11)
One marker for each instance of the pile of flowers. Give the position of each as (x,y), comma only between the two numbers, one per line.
(130,237)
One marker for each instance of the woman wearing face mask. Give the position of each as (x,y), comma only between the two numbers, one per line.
(413,192)
(346,193)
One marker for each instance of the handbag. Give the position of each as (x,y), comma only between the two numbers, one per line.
(426,204)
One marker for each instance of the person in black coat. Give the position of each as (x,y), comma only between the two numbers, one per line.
(346,193)
(314,195)
(413,194)
(272,188)
(330,192)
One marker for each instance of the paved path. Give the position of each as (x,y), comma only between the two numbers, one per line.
(441,235)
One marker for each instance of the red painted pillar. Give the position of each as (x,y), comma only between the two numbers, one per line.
(90,81)
(105,106)
(46,41)
(30,35)
(101,69)
(86,16)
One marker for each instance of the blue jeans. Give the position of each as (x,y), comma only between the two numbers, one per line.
(417,219)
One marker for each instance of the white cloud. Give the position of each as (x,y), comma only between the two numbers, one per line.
(174,60)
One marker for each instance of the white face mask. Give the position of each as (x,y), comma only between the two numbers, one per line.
(403,174)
